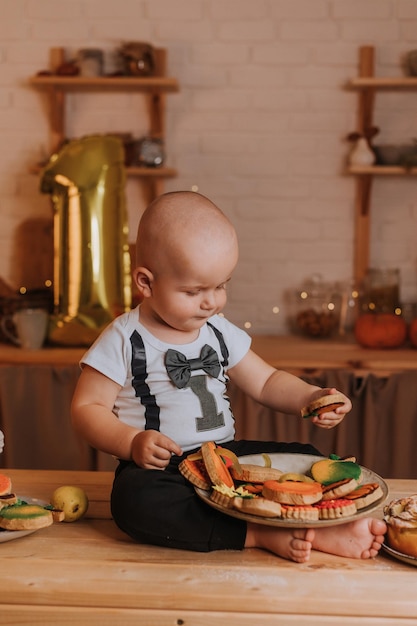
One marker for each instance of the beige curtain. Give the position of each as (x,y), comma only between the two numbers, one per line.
(35,403)
(381,430)
(35,419)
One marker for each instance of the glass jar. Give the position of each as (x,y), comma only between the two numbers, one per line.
(315,308)
(90,62)
(380,291)
(349,305)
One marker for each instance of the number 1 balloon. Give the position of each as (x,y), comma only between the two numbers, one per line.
(92,282)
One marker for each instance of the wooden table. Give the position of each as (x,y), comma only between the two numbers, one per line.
(89,573)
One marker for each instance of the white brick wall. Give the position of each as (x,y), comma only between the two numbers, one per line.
(259,126)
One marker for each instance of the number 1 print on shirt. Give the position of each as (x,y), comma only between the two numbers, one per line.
(211,419)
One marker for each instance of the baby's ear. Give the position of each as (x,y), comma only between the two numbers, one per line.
(143,279)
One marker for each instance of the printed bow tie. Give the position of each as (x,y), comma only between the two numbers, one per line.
(179,368)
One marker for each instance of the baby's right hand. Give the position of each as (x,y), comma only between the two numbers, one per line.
(152,450)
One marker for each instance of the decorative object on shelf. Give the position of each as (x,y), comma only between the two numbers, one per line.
(146,152)
(380,291)
(92,284)
(56,58)
(361,152)
(411,63)
(139,58)
(409,311)
(409,158)
(412,332)
(12,301)
(315,308)
(391,154)
(380,330)
(152,89)
(7,306)
(30,326)
(90,62)
(380,323)
(68,68)
(349,307)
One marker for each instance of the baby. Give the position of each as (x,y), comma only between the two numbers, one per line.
(153,388)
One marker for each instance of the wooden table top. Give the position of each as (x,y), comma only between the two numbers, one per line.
(288,352)
(89,572)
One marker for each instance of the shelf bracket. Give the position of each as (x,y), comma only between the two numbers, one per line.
(364,182)
(362,226)
(57,117)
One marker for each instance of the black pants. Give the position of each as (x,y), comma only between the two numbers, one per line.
(161,507)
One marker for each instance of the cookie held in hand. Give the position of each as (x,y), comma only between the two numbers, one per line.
(325,404)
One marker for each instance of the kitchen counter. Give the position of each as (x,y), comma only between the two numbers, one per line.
(297,354)
(289,352)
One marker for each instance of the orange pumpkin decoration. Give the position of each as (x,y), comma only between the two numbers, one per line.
(412,332)
(380,330)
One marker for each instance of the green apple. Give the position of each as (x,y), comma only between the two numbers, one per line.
(72,500)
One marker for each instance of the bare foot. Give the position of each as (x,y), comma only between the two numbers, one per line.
(293,544)
(361,539)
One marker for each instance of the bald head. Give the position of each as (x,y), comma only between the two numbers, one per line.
(177,222)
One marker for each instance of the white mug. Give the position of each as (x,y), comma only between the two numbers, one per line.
(31,327)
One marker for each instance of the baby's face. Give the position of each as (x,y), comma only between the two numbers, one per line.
(193,288)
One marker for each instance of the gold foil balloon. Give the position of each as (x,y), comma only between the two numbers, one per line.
(92,283)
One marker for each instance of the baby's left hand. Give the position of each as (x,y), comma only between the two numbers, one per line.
(330,419)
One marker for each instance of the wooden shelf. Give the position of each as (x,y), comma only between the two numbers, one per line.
(153,89)
(367,85)
(151,172)
(134,172)
(154,84)
(382,170)
(380,84)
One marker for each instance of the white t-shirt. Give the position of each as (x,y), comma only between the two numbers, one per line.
(127,353)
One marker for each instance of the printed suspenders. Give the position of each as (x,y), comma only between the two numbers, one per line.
(140,385)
